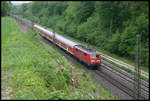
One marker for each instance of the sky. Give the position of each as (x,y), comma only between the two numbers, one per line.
(19,2)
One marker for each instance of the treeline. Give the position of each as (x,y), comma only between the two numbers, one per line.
(5,8)
(112,26)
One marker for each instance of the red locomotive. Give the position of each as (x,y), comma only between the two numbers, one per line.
(83,53)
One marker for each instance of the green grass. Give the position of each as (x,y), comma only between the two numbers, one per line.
(146,69)
(37,71)
(6,28)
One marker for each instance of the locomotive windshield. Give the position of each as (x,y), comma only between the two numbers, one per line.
(94,56)
(97,55)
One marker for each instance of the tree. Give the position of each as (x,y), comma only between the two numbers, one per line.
(86,9)
(5,8)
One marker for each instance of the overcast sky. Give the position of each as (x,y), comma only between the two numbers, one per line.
(19,2)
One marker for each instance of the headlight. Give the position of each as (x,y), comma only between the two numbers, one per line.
(92,60)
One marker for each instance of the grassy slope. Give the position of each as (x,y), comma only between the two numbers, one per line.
(36,71)
(6,28)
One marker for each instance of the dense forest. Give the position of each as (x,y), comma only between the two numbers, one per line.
(112,25)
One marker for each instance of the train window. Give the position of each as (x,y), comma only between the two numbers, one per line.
(97,55)
(93,56)
(84,54)
(81,52)
(69,48)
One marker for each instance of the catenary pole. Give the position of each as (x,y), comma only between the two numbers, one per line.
(137,80)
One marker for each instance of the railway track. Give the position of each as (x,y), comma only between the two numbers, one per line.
(115,80)
(128,76)
(121,63)
(122,82)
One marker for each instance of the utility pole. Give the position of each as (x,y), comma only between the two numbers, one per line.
(137,78)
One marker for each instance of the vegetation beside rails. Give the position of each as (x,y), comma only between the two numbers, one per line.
(127,70)
(37,71)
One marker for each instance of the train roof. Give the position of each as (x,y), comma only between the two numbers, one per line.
(65,40)
(86,49)
(59,37)
(45,30)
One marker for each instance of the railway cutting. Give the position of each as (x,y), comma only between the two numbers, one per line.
(116,80)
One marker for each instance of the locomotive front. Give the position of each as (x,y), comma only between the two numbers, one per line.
(89,56)
(95,59)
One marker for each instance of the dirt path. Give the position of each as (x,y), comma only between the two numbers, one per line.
(22,27)
(6,91)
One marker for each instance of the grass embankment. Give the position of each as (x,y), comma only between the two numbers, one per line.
(6,23)
(36,71)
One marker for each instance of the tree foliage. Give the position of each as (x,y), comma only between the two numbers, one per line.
(5,8)
(112,26)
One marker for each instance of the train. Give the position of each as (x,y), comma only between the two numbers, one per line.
(87,55)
